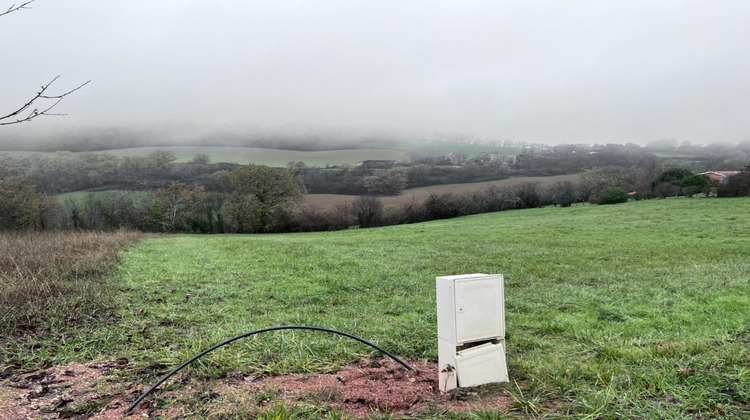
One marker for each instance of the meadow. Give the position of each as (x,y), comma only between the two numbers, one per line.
(269,157)
(470,150)
(257,155)
(638,310)
(280,157)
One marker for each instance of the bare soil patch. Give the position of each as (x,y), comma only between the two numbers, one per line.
(73,391)
(364,388)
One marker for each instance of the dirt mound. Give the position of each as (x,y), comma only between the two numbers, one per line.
(364,388)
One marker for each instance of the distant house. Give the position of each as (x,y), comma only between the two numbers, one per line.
(450,158)
(722,177)
(376,164)
(496,157)
(455,158)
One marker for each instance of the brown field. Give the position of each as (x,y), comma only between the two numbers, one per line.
(329,201)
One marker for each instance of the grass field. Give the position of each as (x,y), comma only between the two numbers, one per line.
(279,157)
(329,201)
(639,310)
(471,150)
(245,155)
(270,157)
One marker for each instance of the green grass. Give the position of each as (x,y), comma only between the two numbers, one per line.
(638,310)
(279,157)
(471,150)
(270,157)
(245,155)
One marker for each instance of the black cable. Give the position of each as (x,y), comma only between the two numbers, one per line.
(287,327)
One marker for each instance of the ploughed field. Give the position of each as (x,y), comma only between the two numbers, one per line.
(634,310)
(419,194)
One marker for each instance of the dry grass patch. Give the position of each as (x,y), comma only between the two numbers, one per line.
(55,277)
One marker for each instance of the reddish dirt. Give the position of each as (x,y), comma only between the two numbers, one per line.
(57,392)
(364,388)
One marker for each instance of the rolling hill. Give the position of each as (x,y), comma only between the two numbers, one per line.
(638,310)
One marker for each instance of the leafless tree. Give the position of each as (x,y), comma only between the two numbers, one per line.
(14,8)
(43,102)
(31,110)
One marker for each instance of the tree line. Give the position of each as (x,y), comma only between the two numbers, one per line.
(66,171)
(259,199)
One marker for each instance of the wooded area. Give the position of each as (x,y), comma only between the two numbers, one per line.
(154,193)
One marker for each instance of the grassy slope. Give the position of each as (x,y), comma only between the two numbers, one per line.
(633,310)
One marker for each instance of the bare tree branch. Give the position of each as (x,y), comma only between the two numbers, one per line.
(29,111)
(40,104)
(14,8)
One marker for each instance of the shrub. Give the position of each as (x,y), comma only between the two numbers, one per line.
(441,206)
(411,211)
(499,199)
(595,182)
(672,175)
(368,211)
(562,193)
(695,184)
(736,186)
(669,182)
(527,195)
(613,196)
(22,208)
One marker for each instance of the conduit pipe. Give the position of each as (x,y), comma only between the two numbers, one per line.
(286,327)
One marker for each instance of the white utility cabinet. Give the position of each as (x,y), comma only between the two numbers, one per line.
(471,330)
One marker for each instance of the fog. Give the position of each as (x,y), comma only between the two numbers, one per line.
(537,71)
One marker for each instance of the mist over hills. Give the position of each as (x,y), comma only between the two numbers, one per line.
(92,139)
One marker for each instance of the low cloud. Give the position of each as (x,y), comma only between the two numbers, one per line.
(530,71)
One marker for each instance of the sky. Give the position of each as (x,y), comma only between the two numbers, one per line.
(535,71)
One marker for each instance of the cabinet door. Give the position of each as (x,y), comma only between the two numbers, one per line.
(482,365)
(479,309)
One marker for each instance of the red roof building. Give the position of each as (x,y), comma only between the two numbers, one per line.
(720,176)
